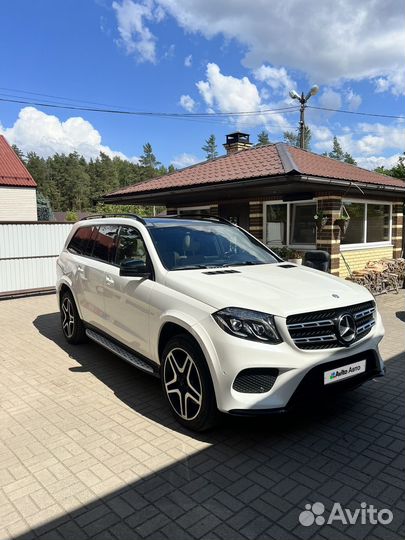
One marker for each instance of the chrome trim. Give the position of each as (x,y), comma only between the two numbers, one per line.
(310,324)
(315,339)
(364,313)
(366,326)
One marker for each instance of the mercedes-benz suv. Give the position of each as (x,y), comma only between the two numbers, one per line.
(223,321)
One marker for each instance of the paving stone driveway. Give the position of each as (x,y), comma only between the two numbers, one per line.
(89,450)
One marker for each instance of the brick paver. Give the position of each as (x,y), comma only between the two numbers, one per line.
(88,448)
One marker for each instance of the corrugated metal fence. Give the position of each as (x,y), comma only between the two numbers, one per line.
(28,251)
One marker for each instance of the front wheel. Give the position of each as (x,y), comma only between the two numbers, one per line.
(187,384)
(72,326)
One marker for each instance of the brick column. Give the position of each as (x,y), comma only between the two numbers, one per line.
(329,239)
(397,229)
(171,211)
(256,219)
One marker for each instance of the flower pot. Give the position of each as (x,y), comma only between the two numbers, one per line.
(295,261)
(342,224)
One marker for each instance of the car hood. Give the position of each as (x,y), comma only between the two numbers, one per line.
(272,288)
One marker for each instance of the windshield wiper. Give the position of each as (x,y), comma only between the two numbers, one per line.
(190,267)
(243,263)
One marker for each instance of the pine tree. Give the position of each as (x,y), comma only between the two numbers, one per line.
(18,151)
(292,138)
(263,138)
(339,154)
(148,158)
(210,147)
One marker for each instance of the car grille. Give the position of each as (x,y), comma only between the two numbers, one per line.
(317,329)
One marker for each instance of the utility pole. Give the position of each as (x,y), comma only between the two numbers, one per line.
(303,101)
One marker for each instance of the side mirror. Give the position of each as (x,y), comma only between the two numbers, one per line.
(135,270)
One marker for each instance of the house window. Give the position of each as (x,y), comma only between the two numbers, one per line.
(369,223)
(196,210)
(291,223)
(276,226)
(302,224)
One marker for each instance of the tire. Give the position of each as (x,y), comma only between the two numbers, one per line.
(187,384)
(72,326)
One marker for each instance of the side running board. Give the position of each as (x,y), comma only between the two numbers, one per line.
(120,351)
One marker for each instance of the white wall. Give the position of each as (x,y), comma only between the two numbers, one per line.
(18,204)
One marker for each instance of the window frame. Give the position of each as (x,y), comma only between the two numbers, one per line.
(288,224)
(148,257)
(364,244)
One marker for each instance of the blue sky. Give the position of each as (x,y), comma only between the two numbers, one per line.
(201,56)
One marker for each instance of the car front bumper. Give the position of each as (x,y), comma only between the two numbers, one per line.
(300,372)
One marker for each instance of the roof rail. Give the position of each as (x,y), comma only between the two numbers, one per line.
(98,216)
(207,217)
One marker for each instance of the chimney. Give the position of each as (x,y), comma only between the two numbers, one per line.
(236,142)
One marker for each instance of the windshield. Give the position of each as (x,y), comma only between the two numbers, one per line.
(185,245)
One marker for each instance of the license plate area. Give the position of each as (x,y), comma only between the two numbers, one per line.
(344,372)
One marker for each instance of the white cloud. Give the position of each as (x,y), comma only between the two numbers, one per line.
(330,99)
(353,100)
(45,134)
(136,38)
(345,40)
(188,61)
(277,78)
(364,140)
(372,162)
(228,94)
(187,102)
(393,82)
(184,160)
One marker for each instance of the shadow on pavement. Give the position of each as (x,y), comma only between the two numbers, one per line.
(257,475)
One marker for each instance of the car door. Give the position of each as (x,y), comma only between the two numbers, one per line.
(127,298)
(95,274)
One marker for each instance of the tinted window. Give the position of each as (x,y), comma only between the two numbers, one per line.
(80,240)
(105,243)
(131,250)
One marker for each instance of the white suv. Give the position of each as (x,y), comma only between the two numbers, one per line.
(225,323)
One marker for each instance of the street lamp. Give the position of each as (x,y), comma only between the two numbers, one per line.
(303,100)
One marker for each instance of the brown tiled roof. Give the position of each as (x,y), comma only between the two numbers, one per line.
(264,161)
(12,170)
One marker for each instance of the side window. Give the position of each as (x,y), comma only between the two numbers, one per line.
(131,249)
(80,240)
(105,243)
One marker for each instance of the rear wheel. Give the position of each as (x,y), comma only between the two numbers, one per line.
(72,326)
(187,384)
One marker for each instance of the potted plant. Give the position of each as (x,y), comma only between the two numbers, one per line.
(320,220)
(342,222)
(295,256)
(281,251)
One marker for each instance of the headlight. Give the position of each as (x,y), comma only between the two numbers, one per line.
(248,324)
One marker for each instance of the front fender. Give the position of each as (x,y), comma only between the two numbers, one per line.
(193,327)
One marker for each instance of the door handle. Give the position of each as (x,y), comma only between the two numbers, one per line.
(109,280)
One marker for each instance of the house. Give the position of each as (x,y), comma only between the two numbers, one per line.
(18,198)
(275,191)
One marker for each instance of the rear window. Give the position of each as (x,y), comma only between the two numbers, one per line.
(80,242)
(105,244)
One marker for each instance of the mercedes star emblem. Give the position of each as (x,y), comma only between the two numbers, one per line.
(346,329)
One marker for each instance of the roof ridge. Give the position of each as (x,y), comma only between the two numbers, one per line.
(286,158)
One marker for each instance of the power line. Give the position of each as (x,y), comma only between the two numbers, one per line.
(357,112)
(23,101)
